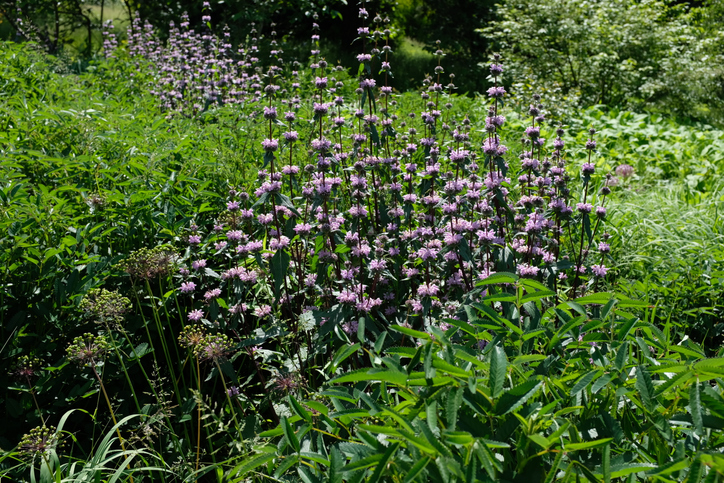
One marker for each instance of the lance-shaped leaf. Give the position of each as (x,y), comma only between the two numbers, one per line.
(516,397)
(498,370)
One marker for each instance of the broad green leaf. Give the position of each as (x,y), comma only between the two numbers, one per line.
(596,298)
(342,354)
(458,437)
(606,464)
(498,370)
(417,469)
(249,464)
(517,396)
(299,410)
(500,277)
(395,377)
(617,471)
(587,444)
(540,440)
(584,381)
(289,434)
(391,449)
(286,463)
(410,332)
(454,400)
(645,387)
(335,465)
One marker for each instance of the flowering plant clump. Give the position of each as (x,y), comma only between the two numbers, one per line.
(416,277)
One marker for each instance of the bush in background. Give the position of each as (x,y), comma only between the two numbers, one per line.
(652,55)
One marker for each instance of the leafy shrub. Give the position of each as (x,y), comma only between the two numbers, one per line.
(625,53)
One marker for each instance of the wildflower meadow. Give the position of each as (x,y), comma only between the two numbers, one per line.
(226,261)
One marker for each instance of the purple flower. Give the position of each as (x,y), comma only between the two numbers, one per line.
(262,311)
(320,82)
(187,287)
(350,327)
(270,145)
(279,243)
(212,294)
(588,169)
(378,265)
(599,270)
(197,264)
(270,112)
(525,270)
(194,239)
(604,247)
(624,171)
(584,208)
(196,315)
(496,92)
(347,297)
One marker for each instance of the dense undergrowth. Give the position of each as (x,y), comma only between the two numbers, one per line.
(191,297)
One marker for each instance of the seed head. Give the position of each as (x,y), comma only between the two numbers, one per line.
(40,441)
(88,349)
(105,307)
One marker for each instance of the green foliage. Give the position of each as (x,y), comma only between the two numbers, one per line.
(656,55)
(100,189)
(585,389)
(670,245)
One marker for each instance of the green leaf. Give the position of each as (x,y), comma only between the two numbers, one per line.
(417,469)
(286,463)
(617,471)
(366,462)
(516,397)
(299,410)
(342,354)
(361,330)
(554,468)
(596,298)
(290,435)
(335,465)
(306,475)
(606,464)
(587,444)
(380,342)
(410,332)
(500,277)
(621,357)
(249,464)
(584,381)
(498,370)
(279,268)
(383,463)
(454,400)
(395,377)
(458,437)
(645,387)
(695,408)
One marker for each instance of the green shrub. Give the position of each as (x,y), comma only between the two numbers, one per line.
(622,53)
